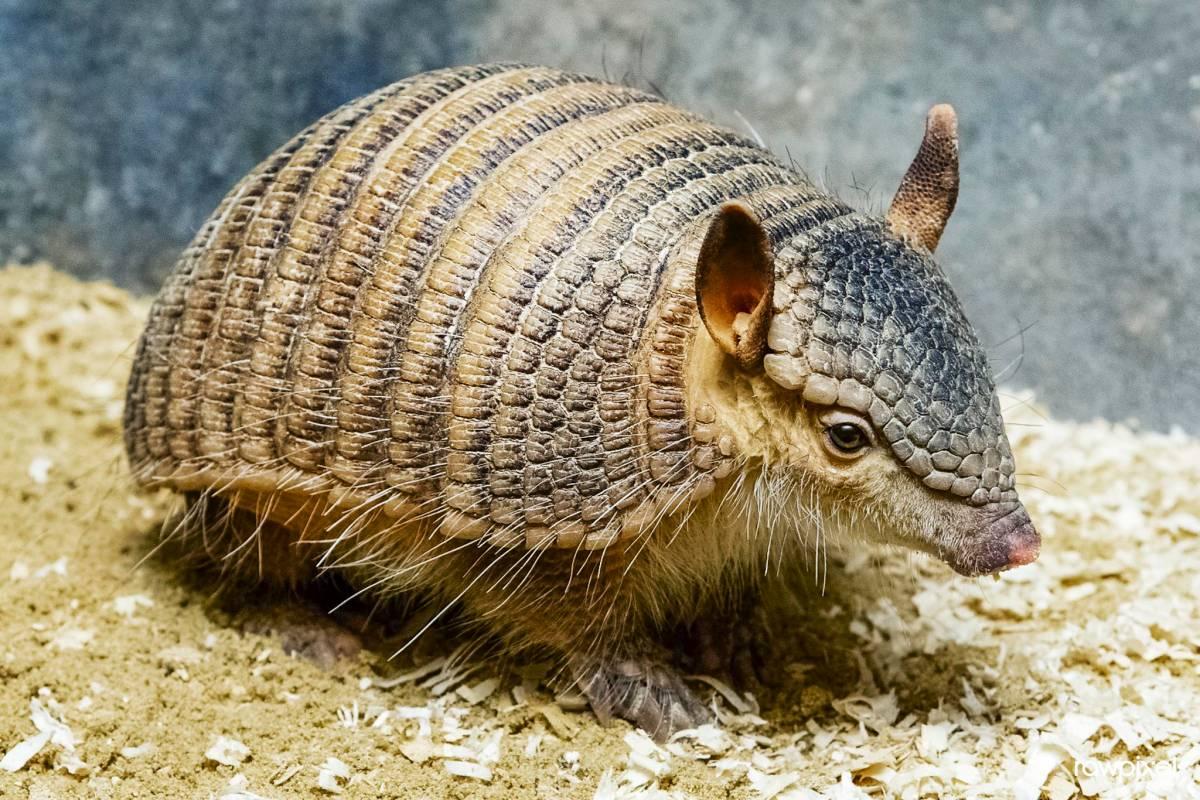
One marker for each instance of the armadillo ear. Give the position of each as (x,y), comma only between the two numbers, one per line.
(735,281)
(927,195)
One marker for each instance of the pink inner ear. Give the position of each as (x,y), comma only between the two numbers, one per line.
(733,278)
(744,301)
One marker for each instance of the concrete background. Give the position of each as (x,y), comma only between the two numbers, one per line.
(123,123)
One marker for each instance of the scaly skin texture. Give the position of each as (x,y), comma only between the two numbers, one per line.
(449,339)
(868,323)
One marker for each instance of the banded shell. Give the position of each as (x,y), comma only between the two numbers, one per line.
(468,294)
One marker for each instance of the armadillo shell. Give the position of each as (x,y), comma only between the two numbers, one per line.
(465,297)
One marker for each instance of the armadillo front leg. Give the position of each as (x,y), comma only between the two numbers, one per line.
(641,689)
(733,641)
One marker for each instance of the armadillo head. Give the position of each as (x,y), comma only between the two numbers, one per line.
(888,400)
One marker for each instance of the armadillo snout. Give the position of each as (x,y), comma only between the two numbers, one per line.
(1001,543)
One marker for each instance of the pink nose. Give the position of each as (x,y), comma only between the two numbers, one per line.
(999,543)
(1025,550)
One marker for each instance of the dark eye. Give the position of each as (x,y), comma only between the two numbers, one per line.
(847,437)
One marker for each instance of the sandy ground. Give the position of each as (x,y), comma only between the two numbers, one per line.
(121,678)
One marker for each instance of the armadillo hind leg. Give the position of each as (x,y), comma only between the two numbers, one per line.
(642,690)
(262,567)
(302,630)
(245,547)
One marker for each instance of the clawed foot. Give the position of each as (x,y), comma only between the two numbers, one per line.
(735,644)
(304,632)
(643,691)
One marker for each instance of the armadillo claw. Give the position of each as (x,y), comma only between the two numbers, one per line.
(642,691)
(736,644)
(304,632)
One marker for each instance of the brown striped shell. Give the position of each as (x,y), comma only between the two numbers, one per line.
(467,296)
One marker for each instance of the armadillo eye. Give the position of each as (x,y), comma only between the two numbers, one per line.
(847,437)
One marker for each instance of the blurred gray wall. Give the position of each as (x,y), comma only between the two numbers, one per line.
(1076,244)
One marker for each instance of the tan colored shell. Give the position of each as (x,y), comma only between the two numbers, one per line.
(467,297)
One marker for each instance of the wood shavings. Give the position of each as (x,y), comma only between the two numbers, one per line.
(474,695)
(50,730)
(1042,757)
(769,786)
(226,751)
(180,655)
(21,570)
(710,739)
(877,713)
(349,716)
(23,751)
(934,739)
(128,604)
(532,743)
(490,750)
(568,766)
(612,787)
(646,762)
(844,790)
(418,750)
(39,470)
(237,790)
(140,751)
(571,701)
(422,671)
(468,769)
(332,775)
(413,712)
(747,705)
(1077,675)
(285,774)
(562,725)
(448,678)
(72,638)
(456,751)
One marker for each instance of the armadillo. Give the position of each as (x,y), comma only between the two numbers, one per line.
(569,358)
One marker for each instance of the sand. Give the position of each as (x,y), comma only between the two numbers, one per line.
(122,678)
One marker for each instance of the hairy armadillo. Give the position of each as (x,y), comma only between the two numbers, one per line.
(570,357)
